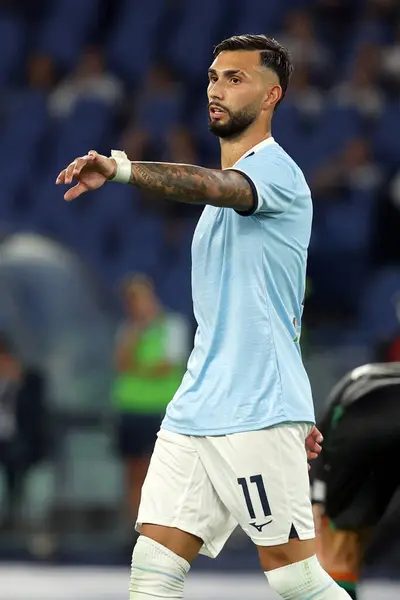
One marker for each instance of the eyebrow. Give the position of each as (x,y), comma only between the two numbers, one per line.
(228,72)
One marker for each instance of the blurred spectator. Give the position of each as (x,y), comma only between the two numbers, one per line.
(383,9)
(361,90)
(24,434)
(158,110)
(385,239)
(299,36)
(306,97)
(391,63)
(353,169)
(89,80)
(338,13)
(151,353)
(179,148)
(41,72)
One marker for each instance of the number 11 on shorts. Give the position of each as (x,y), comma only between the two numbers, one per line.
(258,481)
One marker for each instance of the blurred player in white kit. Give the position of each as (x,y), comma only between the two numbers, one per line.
(233,445)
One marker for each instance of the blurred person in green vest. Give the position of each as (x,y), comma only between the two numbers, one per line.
(150,359)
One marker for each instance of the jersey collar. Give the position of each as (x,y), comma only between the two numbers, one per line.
(268,142)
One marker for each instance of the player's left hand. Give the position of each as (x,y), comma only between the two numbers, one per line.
(313,441)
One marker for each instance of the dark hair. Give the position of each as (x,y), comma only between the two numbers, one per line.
(135,281)
(273,55)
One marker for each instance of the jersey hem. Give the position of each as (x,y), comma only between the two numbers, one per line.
(168,426)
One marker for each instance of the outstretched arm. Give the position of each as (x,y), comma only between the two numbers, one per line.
(183,183)
(195,185)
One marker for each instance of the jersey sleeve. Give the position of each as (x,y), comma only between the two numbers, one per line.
(273,181)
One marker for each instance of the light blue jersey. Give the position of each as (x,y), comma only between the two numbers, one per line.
(248,282)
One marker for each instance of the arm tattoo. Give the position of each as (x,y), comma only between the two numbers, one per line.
(194,185)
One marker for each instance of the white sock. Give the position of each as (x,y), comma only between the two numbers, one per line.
(305,580)
(156,572)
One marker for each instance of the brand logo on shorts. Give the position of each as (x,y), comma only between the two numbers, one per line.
(260,527)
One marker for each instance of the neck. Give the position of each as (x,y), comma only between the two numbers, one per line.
(233,149)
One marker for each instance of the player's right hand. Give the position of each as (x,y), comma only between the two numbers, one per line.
(90,172)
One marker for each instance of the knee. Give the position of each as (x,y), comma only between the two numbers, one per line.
(303,580)
(156,571)
(294,551)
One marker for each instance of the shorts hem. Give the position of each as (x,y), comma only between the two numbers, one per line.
(207,549)
(283,539)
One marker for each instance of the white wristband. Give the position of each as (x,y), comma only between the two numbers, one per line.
(124,167)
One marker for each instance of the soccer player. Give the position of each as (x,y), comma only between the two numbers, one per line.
(356,480)
(231,449)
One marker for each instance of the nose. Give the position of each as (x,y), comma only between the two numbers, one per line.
(215,91)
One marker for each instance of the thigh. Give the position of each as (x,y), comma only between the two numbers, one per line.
(177,493)
(262,478)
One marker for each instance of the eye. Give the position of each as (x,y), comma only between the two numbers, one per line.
(212,79)
(235,80)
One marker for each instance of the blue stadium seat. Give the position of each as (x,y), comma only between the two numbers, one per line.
(294,133)
(114,201)
(12,42)
(334,129)
(19,141)
(158,115)
(366,32)
(175,290)
(131,46)
(347,222)
(386,145)
(380,306)
(110,211)
(190,46)
(258,16)
(337,279)
(339,248)
(85,129)
(65,30)
(143,239)
(206,142)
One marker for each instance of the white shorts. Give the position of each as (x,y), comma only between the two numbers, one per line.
(209,485)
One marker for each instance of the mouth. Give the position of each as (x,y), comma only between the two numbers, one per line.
(216,112)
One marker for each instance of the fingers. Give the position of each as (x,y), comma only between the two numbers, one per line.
(317,435)
(78,189)
(311,455)
(61,177)
(73,170)
(313,447)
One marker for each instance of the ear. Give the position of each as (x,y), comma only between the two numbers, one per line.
(273,96)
